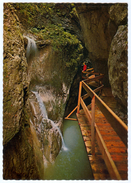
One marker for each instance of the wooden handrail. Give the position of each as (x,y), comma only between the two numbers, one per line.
(93,125)
(119,126)
(95,90)
(96,133)
(93,79)
(79,96)
(107,157)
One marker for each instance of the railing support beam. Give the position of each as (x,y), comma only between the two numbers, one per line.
(93,126)
(79,97)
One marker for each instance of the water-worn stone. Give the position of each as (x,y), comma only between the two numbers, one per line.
(47,134)
(117,64)
(22,156)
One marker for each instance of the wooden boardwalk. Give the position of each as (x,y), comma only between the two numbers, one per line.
(97,163)
(114,144)
(104,133)
(116,147)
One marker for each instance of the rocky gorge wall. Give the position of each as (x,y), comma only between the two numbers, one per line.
(29,143)
(22,158)
(104,28)
(53,71)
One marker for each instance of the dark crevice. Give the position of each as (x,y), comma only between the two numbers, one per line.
(25,95)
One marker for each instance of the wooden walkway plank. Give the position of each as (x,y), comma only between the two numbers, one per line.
(104,133)
(98,166)
(117,124)
(107,157)
(116,148)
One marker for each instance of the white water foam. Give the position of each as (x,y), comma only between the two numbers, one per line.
(45,116)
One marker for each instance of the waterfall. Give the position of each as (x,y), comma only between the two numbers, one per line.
(31,49)
(56,127)
(45,116)
(41,105)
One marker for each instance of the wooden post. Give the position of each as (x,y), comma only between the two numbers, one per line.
(79,96)
(93,125)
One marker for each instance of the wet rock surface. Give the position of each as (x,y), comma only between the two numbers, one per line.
(47,134)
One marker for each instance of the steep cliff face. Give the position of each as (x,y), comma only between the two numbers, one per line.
(26,142)
(97,35)
(117,61)
(22,158)
(15,78)
(117,64)
(99,23)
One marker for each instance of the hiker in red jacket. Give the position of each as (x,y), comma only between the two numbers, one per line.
(84,67)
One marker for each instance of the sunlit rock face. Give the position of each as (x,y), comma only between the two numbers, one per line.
(117,64)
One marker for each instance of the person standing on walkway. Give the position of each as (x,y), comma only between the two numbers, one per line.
(84,67)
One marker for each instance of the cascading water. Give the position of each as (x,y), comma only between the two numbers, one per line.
(31,49)
(63,143)
(45,116)
(41,105)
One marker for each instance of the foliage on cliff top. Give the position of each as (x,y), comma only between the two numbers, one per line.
(35,14)
(62,41)
(51,21)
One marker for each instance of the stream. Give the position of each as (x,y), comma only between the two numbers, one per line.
(72,163)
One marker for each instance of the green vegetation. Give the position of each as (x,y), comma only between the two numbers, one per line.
(47,21)
(63,41)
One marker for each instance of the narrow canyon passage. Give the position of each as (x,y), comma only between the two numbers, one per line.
(45,49)
(72,164)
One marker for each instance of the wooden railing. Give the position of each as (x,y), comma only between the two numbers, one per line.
(118,125)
